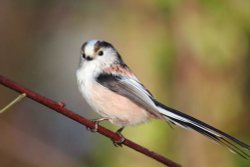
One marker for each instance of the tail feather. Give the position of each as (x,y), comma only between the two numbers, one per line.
(186,121)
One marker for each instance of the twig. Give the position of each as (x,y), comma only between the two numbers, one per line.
(16,100)
(60,108)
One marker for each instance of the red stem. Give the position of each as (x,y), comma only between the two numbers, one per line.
(58,107)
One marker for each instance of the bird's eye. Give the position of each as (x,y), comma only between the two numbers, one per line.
(100,53)
(83,55)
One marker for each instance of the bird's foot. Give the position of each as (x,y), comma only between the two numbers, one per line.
(96,122)
(118,143)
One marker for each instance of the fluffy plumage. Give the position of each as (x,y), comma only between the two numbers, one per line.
(112,90)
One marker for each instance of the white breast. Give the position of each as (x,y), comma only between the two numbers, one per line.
(120,110)
(85,80)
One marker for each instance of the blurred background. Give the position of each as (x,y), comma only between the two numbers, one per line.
(193,55)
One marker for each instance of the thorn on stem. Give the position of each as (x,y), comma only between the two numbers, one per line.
(61,104)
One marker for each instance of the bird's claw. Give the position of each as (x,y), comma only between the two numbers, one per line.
(95,127)
(96,122)
(118,143)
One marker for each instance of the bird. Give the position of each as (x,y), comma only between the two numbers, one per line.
(113,91)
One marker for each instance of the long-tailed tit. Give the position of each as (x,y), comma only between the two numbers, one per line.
(114,92)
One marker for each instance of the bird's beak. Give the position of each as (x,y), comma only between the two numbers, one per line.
(88,58)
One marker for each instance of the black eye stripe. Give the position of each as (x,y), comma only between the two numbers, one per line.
(102,44)
(83,46)
(105,44)
(83,55)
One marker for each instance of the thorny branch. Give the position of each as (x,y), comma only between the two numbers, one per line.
(60,108)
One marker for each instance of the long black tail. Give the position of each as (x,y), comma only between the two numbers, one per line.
(186,121)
